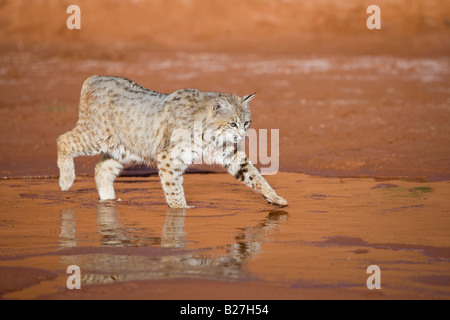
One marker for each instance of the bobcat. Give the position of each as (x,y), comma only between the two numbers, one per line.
(125,122)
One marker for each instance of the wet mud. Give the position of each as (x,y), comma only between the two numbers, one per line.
(232,245)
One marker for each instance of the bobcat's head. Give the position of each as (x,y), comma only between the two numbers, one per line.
(231,117)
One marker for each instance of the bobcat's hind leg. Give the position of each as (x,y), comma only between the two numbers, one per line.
(106,171)
(72,144)
(66,172)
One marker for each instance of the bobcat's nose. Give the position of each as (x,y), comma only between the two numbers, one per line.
(242,134)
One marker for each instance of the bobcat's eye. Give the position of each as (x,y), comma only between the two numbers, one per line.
(246,123)
(233,124)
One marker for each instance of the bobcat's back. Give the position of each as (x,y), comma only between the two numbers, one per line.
(122,115)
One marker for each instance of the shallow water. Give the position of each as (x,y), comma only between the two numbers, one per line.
(319,246)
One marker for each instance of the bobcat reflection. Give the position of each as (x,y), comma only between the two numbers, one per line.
(151,262)
(67,236)
(173,230)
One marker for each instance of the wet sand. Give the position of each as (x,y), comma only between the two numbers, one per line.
(364,159)
(232,245)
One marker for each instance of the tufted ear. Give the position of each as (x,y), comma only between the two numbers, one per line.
(246,99)
(221,105)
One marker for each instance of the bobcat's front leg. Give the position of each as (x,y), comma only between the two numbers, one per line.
(241,168)
(171,174)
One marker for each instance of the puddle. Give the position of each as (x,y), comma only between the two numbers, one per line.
(231,240)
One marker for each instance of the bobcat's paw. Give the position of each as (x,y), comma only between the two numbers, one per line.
(179,204)
(277,201)
(66,182)
(106,195)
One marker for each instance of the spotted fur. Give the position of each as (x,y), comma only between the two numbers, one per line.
(125,123)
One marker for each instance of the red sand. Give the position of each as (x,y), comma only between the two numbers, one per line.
(348,101)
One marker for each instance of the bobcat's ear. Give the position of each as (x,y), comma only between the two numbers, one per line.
(246,99)
(220,106)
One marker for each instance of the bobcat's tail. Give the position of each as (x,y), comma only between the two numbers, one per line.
(86,97)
